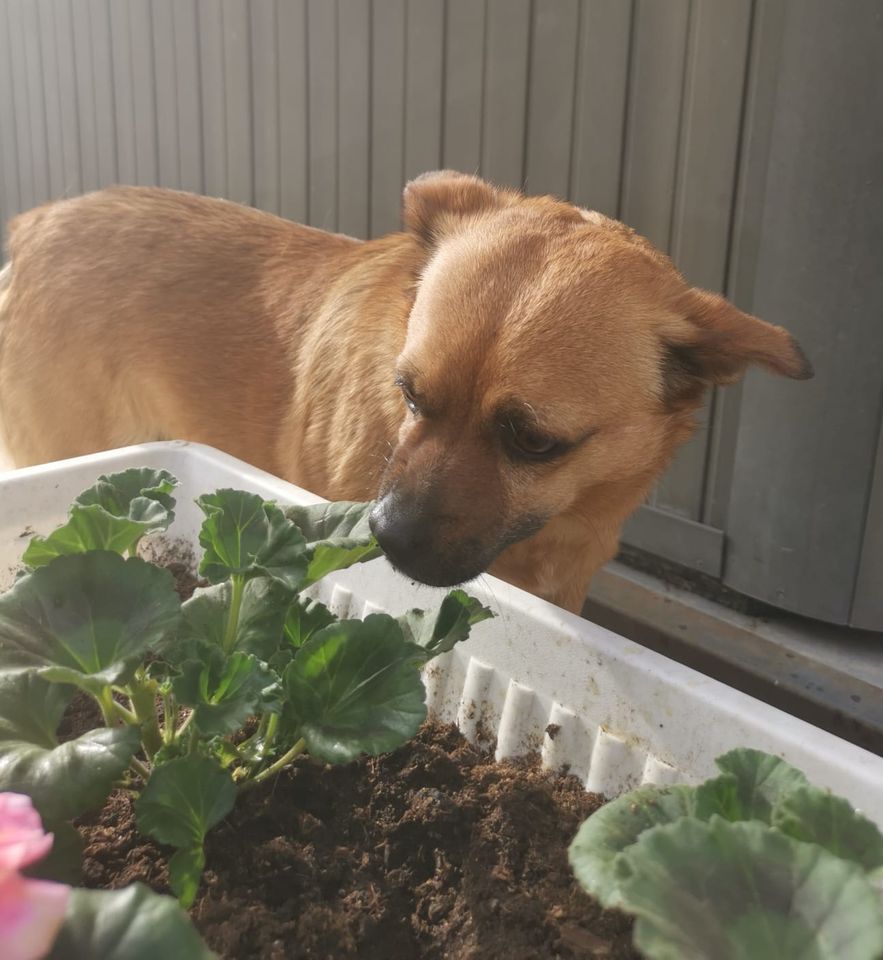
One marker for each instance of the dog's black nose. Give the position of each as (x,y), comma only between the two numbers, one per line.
(408,531)
(400,534)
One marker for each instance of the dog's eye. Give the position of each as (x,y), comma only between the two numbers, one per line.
(410,399)
(529,445)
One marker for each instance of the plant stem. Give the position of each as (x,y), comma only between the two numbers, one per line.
(267,727)
(123,714)
(278,765)
(168,716)
(237,582)
(261,730)
(141,769)
(272,726)
(106,702)
(143,695)
(187,721)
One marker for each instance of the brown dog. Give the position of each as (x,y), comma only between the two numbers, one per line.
(510,374)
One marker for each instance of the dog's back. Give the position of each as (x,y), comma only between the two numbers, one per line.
(135,314)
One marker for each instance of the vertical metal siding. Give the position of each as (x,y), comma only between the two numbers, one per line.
(464,84)
(321,109)
(705,176)
(388,33)
(600,104)
(550,98)
(507,60)
(424,85)
(293,66)
(322,112)
(867,604)
(354,118)
(805,453)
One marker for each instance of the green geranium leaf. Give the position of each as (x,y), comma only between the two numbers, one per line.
(130,924)
(114,514)
(185,871)
(437,631)
(615,827)
(225,691)
(304,618)
(261,617)
(90,528)
(332,522)
(243,535)
(30,708)
(816,816)
(64,862)
(337,536)
(325,558)
(744,891)
(87,619)
(226,753)
(63,780)
(752,783)
(182,801)
(354,688)
(120,493)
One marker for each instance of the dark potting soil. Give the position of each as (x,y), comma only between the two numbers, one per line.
(82,714)
(178,557)
(433,851)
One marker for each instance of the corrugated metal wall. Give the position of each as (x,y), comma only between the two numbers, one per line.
(805,515)
(321,109)
(656,111)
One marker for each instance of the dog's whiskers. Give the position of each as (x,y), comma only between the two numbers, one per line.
(485,581)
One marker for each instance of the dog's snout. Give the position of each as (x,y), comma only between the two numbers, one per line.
(398,531)
(434,546)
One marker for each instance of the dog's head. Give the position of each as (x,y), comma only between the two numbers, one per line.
(549,351)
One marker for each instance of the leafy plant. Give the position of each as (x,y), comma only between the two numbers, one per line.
(755,864)
(114,514)
(204,699)
(129,924)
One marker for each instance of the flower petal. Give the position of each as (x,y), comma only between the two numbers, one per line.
(22,840)
(31,912)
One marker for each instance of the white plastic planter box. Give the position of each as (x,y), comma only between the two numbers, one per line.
(534,678)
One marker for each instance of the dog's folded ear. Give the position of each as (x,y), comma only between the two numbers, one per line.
(436,203)
(715,343)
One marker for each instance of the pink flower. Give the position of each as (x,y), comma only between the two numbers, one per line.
(22,840)
(31,911)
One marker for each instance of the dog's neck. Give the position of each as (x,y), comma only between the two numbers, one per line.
(589,531)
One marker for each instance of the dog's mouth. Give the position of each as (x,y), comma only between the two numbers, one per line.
(435,570)
(419,552)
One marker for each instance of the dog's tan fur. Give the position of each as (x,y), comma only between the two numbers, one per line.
(138,314)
